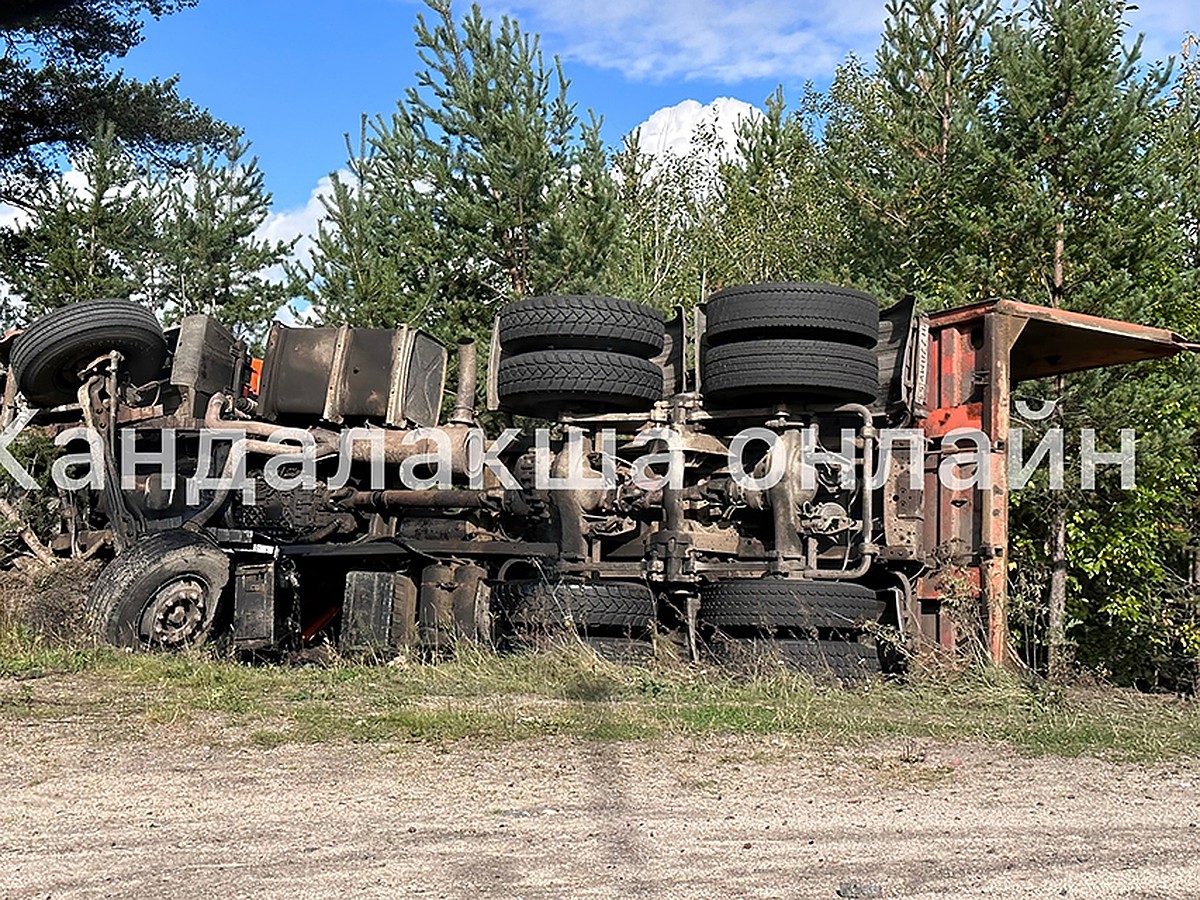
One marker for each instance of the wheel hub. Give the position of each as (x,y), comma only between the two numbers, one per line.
(177,614)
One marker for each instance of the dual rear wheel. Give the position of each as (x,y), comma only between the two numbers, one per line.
(765,343)
(794,342)
(615,618)
(819,627)
(575,354)
(822,628)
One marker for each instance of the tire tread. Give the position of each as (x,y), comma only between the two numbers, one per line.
(578,322)
(543,382)
(122,575)
(770,603)
(780,366)
(792,310)
(87,326)
(590,606)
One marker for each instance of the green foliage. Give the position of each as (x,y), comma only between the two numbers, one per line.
(1073,130)
(207,257)
(776,220)
(765,209)
(1131,591)
(81,241)
(481,187)
(1083,201)
(55,88)
(183,241)
(661,257)
(906,145)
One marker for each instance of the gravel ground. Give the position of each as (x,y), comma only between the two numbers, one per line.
(178,814)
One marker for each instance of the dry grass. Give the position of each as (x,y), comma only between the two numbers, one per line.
(569,692)
(48,672)
(45,602)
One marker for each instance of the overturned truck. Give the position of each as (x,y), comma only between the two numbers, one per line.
(788,472)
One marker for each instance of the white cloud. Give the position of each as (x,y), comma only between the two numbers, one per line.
(300,222)
(711,39)
(300,313)
(11,216)
(672,128)
(730,42)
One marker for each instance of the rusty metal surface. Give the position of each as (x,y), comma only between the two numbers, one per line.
(969,388)
(1057,341)
(976,354)
(431,499)
(951,517)
(1001,334)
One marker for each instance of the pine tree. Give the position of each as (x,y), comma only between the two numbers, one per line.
(207,256)
(1030,156)
(905,145)
(350,277)
(84,237)
(56,84)
(1080,209)
(481,187)
(1074,125)
(180,240)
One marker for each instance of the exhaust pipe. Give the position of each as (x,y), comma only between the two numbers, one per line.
(468,377)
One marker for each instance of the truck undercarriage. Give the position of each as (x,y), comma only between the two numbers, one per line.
(762,477)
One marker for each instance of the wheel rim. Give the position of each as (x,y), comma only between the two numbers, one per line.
(177,614)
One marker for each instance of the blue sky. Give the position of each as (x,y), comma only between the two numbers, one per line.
(296,74)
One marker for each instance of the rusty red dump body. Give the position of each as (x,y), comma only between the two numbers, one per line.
(976,354)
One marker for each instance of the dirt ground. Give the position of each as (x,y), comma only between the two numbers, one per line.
(87,814)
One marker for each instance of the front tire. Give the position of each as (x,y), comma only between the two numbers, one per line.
(47,356)
(163,593)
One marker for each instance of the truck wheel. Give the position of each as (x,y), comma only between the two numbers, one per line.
(624,651)
(849,662)
(792,310)
(163,592)
(546,383)
(816,371)
(601,607)
(47,356)
(767,604)
(571,322)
